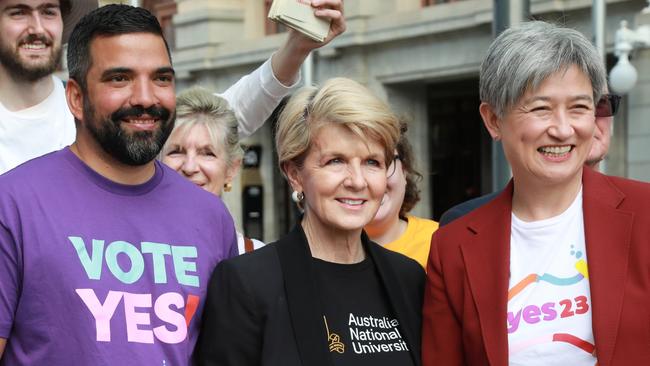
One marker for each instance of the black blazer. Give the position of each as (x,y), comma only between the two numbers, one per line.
(262,307)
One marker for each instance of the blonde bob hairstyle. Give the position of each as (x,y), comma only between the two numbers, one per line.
(341,101)
(197,106)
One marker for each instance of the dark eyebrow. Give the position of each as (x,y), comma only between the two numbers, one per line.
(27,7)
(166,70)
(49,5)
(126,70)
(116,70)
(17,7)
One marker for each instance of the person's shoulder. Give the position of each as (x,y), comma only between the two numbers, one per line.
(59,84)
(407,273)
(466,207)
(451,234)
(260,269)
(178,182)
(37,170)
(401,263)
(183,189)
(258,257)
(27,183)
(267,256)
(636,193)
(629,185)
(44,164)
(421,223)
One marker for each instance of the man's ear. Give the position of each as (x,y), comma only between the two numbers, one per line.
(490,120)
(74,96)
(291,171)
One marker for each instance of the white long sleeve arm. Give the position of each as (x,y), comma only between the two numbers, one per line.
(254,97)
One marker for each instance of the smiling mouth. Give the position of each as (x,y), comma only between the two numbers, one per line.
(556,151)
(34,46)
(141,124)
(37,45)
(351,202)
(140,120)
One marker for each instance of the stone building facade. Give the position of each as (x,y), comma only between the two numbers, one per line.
(422,56)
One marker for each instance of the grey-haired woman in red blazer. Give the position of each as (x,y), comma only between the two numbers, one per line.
(555,270)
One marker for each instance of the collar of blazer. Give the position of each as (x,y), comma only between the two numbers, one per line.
(303,297)
(486,253)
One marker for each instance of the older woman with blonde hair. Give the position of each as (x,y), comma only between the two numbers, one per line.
(329,296)
(204,146)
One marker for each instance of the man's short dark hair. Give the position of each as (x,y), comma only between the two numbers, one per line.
(106,21)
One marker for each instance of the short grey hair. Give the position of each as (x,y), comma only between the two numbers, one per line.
(522,57)
(197,106)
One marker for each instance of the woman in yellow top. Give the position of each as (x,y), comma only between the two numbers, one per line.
(392,226)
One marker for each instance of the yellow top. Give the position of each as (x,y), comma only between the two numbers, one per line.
(416,240)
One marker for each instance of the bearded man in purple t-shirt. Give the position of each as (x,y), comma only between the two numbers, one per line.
(105,253)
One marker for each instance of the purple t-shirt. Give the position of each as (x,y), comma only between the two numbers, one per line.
(97,273)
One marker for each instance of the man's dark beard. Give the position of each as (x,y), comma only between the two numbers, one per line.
(20,71)
(137,148)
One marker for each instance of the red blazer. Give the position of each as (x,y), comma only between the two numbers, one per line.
(464,312)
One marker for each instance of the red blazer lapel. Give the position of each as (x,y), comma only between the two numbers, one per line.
(486,253)
(607,236)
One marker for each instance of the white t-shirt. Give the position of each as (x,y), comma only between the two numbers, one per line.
(37,130)
(549,302)
(49,125)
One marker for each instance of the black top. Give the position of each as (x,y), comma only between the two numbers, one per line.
(361,327)
(263,308)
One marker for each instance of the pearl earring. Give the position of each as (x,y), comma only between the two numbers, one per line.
(297,197)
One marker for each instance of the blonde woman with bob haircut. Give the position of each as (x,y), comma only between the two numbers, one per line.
(330,296)
(204,146)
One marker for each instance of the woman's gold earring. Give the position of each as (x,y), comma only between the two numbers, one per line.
(227,187)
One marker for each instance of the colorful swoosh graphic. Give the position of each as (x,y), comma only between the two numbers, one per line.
(557,337)
(581,267)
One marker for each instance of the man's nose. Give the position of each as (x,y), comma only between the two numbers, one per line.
(143,94)
(36,23)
